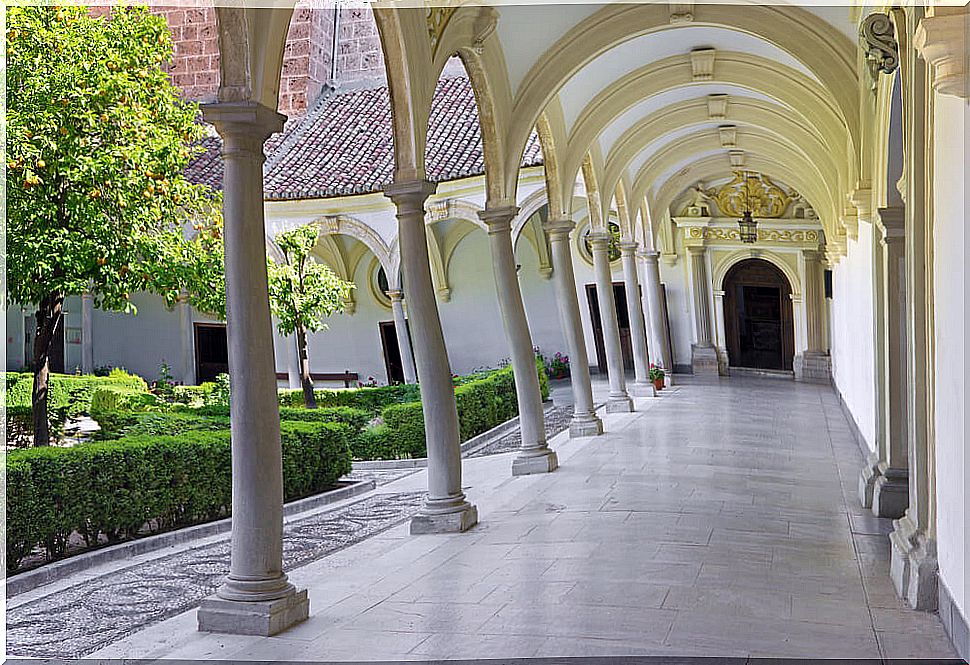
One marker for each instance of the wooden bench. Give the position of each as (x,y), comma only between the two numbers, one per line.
(349,378)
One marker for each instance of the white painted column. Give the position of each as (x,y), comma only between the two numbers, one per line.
(814,364)
(619,400)
(704,360)
(890,494)
(446,509)
(657,344)
(403,336)
(186,341)
(87,333)
(720,336)
(634,308)
(584,422)
(256,597)
(534,456)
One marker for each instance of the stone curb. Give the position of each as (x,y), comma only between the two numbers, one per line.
(60,569)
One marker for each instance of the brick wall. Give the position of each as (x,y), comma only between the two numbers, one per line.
(307,57)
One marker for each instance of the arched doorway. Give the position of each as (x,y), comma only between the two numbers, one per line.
(758,316)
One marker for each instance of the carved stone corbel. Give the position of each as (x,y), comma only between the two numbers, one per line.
(878,38)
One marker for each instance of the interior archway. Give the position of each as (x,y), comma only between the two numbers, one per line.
(758,320)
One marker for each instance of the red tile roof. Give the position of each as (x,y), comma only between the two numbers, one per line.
(344,145)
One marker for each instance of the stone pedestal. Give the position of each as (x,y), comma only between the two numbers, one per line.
(867,479)
(542,462)
(890,493)
(585,425)
(217,615)
(447,522)
(913,566)
(813,367)
(704,361)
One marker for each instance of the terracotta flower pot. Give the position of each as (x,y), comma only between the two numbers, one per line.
(658,384)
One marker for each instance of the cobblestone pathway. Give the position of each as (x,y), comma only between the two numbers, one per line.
(557,420)
(97,611)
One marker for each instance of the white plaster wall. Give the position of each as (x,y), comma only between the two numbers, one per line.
(539,297)
(852,331)
(352,341)
(15,338)
(676,282)
(139,343)
(471,320)
(952,158)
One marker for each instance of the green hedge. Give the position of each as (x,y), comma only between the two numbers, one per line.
(113,489)
(372,400)
(114,408)
(483,403)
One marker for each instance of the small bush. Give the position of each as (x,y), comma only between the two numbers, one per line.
(115,408)
(376,442)
(405,425)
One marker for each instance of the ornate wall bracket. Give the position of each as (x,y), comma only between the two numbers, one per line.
(877,36)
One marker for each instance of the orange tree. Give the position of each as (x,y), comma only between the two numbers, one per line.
(97,141)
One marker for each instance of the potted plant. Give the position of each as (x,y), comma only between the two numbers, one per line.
(657,375)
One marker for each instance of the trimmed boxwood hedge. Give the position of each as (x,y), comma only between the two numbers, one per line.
(372,400)
(113,489)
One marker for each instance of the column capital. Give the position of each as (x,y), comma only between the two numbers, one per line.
(813,255)
(628,247)
(598,240)
(941,40)
(892,222)
(498,219)
(410,195)
(558,227)
(243,120)
(696,250)
(395,295)
(648,254)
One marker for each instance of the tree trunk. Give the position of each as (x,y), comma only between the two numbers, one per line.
(48,317)
(309,401)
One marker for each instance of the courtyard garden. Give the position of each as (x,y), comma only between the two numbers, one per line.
(159,458)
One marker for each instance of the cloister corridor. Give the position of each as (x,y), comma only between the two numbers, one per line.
(719,519)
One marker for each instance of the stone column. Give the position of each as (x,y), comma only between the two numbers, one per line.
(256,597)
(87,333)
(913,564)
(403,336)
(657,343)
(186,341)
(446,509)
(619,400)
(634,308)
(703,354)
(534,456)
(814,364)
(584,422)
(890,494)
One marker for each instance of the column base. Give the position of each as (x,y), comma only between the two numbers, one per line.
(619,404)
(585,425)
(813,367)
(704,361)
(913,566)
(890,493)
(525,465)
(450,522)
(642,389)
(236,617)
(867,479)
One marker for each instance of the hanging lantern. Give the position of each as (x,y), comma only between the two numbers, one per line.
(748,227)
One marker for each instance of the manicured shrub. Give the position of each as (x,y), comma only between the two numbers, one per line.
(355,419)
(193,396)
(372,400)
(477,407)
(114,408)
(113,489)
(405,424)
(376,443)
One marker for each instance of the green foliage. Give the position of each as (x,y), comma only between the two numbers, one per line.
(114,489)
(96,149)
(656,372)
(114,408)
(302,291)
(192,396)
(376,443)
(372,400)
(405,425)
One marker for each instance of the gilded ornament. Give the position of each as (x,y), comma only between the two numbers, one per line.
(755,192)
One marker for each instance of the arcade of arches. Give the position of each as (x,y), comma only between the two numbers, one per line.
(618,147)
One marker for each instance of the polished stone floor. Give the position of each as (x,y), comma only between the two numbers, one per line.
(719,519)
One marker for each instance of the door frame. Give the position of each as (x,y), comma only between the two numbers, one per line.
(735,279)
(197,348)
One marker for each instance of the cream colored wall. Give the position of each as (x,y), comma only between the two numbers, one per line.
(852,331)
(951,289)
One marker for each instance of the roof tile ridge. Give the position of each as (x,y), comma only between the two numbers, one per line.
(302,127)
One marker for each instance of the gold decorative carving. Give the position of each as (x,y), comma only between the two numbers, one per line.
(755,192)
(764,235)
(438,18)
